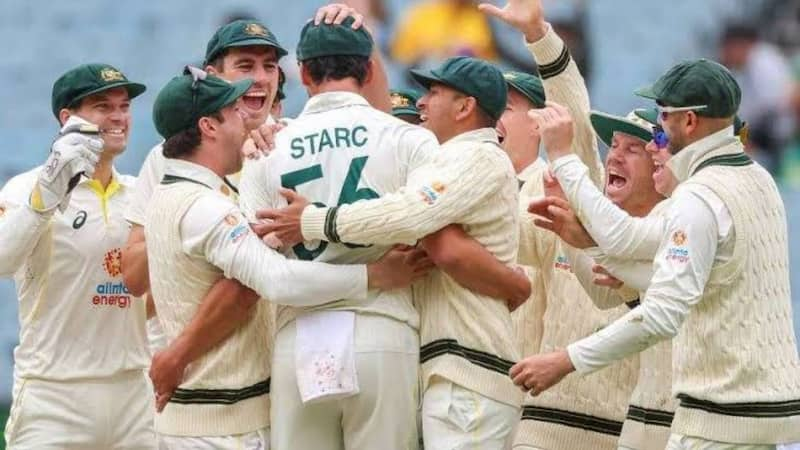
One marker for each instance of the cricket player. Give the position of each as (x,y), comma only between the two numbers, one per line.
(583,413)
(338,151)
(467,337)
(622,250)
(79,381)
(721,267)
(197,235)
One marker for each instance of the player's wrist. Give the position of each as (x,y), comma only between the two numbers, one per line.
(535,31)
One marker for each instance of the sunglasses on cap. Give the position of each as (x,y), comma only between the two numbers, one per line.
(663,111)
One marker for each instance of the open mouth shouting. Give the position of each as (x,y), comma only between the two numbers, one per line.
(615,181)
(254,101)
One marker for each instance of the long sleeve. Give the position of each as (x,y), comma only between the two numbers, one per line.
(615,231)
(20,226)
(254,189)
(150,176)
(436,195)
(682,268)
(217,231)
(564,84)
(603,297)
(636,274)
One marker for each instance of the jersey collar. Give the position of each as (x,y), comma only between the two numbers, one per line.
(333,100)
(197,173)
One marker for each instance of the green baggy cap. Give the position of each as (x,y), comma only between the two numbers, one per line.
(697,83)
(187,98)
(473,77)
(89,79)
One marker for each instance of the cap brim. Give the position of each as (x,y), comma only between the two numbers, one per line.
(239,89)
(404,112)
(648,115)
(605,125)
(425,78)
(134,90)
(259,42)
(646,92)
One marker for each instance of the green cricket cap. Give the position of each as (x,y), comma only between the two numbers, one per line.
(695,83)
(241,33)
(473,77)
(333,40)
(605,125)
(187,98)
(528,85)
(89,79)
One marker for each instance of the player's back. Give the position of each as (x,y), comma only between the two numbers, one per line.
(340,150)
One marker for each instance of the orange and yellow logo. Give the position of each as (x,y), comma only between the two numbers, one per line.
(112,263)
(679,238)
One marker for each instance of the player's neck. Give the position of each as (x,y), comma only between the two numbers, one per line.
(344,85)
(103,172)
(209,159)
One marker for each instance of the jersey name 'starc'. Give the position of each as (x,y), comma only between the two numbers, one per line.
(329,139)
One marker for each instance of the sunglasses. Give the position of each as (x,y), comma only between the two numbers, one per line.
(663,111)
(660,137)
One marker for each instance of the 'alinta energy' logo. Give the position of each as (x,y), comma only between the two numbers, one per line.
(563,263)
(112,293)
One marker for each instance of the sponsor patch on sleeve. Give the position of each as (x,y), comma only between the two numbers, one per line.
(678,252)
(238,233)
(430,194)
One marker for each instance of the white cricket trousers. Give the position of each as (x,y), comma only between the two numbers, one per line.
(382,416)
(91,414)
(456,418)
(256,440)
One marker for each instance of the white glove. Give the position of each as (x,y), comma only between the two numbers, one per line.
(74,153)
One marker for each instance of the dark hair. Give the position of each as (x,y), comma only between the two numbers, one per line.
(484,119)
(184,143)
(218,62)
(326,68)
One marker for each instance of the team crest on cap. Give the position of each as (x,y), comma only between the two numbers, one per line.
(108,75)
(112,262)
(510,76)
(254,29)
(399,101)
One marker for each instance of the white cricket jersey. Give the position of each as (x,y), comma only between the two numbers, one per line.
(339,150)
(77,318)
(150,176)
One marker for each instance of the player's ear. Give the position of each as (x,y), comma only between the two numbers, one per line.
(64,115)
(466,107)
(305,75)
(207,126)
(212,70)
(370,71)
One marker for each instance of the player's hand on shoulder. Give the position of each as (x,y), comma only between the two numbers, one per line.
(262,140)
(285,223)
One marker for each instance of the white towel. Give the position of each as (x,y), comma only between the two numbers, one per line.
(325,355)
